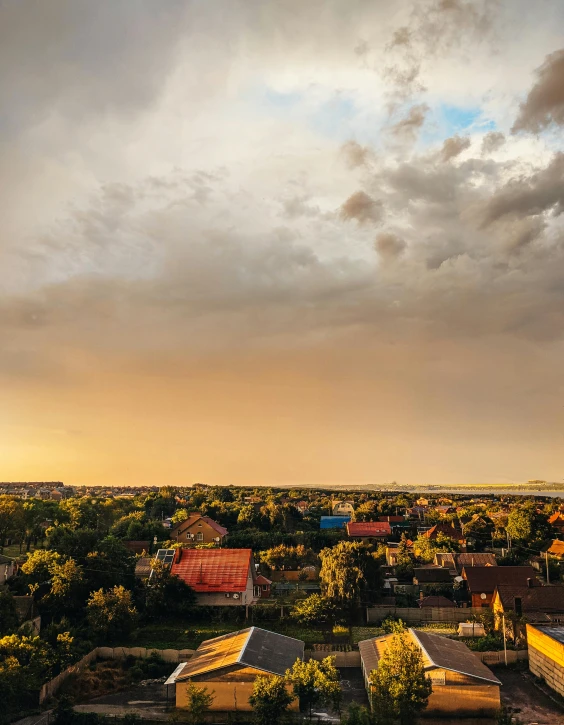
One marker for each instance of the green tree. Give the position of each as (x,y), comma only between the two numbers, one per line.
(347,572)
(111,613)
(368,511)
(166,594)
(198,702)
(356,715)
(270,699)
(10,508)
(399,689)
(527,526)
(316,682)
(8,614)
(315,609)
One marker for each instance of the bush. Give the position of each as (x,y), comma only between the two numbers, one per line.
(136,673)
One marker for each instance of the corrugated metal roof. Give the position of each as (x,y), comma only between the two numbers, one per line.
(252,647)
(213,570)
(437,651)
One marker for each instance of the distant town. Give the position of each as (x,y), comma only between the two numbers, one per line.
(119,594)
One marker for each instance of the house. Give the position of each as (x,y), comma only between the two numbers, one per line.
(448,530)
(367,530)
(197,529)
(220,577)
(481,581)
(557,521)
(342,508)
(462,685)
(556,549)
(435,601)
(229,665)
(546,654)
(529,601)
(333,522)
(455,562)
(143,567)
(302,506)
(7,568)
(429,577)
(422,501)
(137,547)
(264,585)
(444,510)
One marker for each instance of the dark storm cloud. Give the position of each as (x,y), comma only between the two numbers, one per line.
(454,146)
(545,103)
(362,207)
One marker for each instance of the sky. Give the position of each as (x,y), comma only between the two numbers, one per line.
(258,242)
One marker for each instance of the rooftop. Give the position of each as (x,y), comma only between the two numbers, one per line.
(253,647)
(486,578)
(556,633)
(368,528)
(213,570)
(533,599)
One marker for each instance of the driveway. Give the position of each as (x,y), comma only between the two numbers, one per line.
(526,700)
(146,700)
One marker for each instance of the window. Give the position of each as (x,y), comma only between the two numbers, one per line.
(199,536)
(265,587)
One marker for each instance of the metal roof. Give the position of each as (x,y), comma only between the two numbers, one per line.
(252,647)
(556,633)
(333,522)
(437,651)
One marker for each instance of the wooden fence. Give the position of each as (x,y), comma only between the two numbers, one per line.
(419,615)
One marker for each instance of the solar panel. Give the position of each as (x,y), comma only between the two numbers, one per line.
(165,555)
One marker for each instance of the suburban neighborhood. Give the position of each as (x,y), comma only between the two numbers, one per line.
(227,600)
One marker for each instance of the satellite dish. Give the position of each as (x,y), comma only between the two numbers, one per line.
(483,596)
(236,596)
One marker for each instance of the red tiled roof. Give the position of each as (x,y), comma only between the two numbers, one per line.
(261,579)
(557,517)
(445,529)
(368,528)
(213,570)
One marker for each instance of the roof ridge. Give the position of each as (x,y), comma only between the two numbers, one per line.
(413,632)
(244,647)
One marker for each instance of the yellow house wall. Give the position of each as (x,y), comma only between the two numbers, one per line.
(546,658)
(228,696)
(463,701)
(199,527)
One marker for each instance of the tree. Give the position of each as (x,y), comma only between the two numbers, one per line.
(167,594)
(356,715)
(270,699)
(111,613)
(368,511)
(9,509)
(315,609)
(404,562)
(347,571)
(399,689)
(524,524)
(198,703)
(8,614)
(315,682)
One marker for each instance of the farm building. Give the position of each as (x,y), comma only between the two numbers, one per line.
(462,685)
(229,665)
(546,654)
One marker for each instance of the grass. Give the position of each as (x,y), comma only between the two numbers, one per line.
(13,551)
(189,635)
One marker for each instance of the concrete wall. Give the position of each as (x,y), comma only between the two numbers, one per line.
(463,701)
(342,659)
(546,658)
(227,696)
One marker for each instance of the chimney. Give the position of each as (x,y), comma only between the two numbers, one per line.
(529,582)
(180,550)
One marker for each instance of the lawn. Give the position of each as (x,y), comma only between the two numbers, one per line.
(189,635)
(13,551)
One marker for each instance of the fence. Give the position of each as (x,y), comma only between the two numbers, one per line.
(110,653)
(419,615)
(342,659)
(498,658)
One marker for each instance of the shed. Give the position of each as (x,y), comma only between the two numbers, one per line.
(546,654)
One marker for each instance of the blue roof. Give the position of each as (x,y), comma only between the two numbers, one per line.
(333,522)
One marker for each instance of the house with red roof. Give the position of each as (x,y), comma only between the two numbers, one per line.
(557,520)
(220,577)
(369,529)
(198,529)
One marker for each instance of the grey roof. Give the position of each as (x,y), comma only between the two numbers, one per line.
(271,651)
(452,655)
(556,633)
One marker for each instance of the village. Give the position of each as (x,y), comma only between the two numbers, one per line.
(214,603)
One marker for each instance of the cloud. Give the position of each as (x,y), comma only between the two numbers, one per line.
(545,103)
(493,141)
(362,207)
(409,126)
(355,155)
(453,147)
(389,246)
(530,195)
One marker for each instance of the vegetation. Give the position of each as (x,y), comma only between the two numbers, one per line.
(270,699)
(399,688)
(316,682)
(198,702)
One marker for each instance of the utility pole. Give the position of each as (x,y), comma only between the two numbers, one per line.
(547,573)
(504,640)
